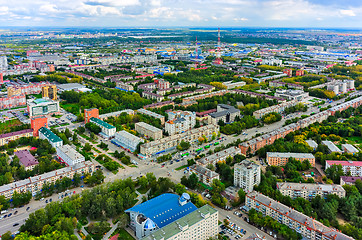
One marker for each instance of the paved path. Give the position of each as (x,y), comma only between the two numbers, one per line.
(109,233)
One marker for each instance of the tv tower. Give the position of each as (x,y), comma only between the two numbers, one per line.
(196,50)
(218,59)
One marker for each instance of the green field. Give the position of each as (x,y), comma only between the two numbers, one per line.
(124,235)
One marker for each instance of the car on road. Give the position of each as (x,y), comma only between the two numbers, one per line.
(5,216)
(27,208)
(15,212)
(50,200)
(15,224)
(46,201)
(228,217)
(9,215)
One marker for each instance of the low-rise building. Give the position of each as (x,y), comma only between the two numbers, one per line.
(152,114)
(349,180)
(151,95)
(312,144)
(126,140)
(219,156)
(331,146)
(204,174)
(225,113)
(258,114)
(54,140)
(148,130)
(7,137)
(348,148)
(308,227)
(310,190)
(291,94)
(69,155)
(281,158)
(247,175)
(354,168)
(107,129)
(36,183)
(26,159)
(168,143)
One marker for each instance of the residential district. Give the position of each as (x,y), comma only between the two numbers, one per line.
(104,136)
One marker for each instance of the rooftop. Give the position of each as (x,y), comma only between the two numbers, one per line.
(289,155)
(128,135)
(175,227)
(50,135)
(310,187)
(101,123)
(164,209)
(344,163)
(148,127)
(350,148)
(6,135)
(70,152)
(331,146)
(26,158)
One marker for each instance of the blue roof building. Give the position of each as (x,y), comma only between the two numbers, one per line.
(158,212)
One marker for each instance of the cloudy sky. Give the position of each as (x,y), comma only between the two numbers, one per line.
(190,13)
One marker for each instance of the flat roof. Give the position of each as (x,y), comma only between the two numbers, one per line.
(350,148)
(310,187)
(331,146)
(148,127)
(344,163)
(288,155)
(150,113)
(70,152)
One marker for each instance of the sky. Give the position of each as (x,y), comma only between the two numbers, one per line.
(183,13)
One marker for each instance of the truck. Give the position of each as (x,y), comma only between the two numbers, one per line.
(4,211)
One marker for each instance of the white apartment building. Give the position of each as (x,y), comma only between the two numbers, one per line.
(180,121)
(168,143)
(3,63)
(355,168)
(54,140)
(204,174)
(35,184)
(310,190)
(107,129)
(69,155)
(247,175)
(126,140)
(308,227)
(148,130)
(219,156)
(276,108)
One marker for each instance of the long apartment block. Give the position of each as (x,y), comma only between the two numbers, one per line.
(276,108)
(281,158)
(219,156)
(168,143)
(310,190)
(308,227)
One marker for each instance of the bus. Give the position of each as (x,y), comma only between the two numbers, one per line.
(217,143)
(207,146)
(199,150)
(185,154)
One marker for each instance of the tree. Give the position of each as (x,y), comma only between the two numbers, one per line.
(241,195)
(193,180)
(335,172)
(87,147)
(183,145)
(81,130)
(143,182)
(93,127)
(7,236)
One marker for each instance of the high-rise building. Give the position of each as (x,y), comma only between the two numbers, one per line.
(50,92)
(247,175)
(288,71)
(37,123)
(90,113)
(180,121)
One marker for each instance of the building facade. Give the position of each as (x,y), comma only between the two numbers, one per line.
(37,123)
(179,122)
(90,113)
(41,107)
(204,174)
(225,113)
(148,130)
(258,114)
(167,143)
(219,156)
(310,190)
(49,91)
(126,140)
(107,129)
(7,137)
(54,140)
(35,184)
(280,159)
(308,227)
(247,175)
(355,168)
(12,102)
(69,155)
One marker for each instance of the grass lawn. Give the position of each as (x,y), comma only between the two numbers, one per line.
(123,234)
(83,221)
(64,124)
(5,126)
(355,139)
(182,167)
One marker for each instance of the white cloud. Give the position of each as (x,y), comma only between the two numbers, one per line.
(349,13)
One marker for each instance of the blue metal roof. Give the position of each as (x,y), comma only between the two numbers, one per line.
(164,209)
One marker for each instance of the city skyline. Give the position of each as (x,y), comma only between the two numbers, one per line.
(199,13)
